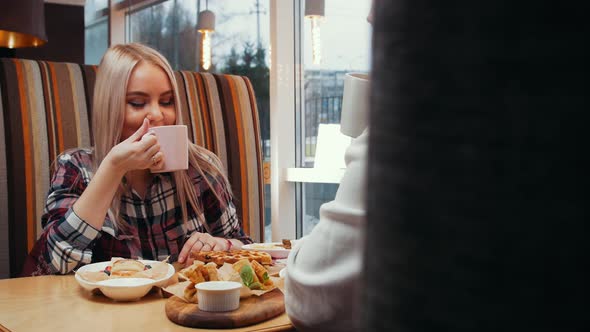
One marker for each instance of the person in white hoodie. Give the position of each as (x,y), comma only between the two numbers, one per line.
(323,275)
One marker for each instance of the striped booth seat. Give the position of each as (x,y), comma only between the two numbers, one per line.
(46,108)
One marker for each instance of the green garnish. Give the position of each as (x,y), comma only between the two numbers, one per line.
(247,275)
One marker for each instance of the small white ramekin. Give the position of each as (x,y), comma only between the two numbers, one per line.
(218,295)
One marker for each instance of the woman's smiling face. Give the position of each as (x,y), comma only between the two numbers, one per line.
(149,95)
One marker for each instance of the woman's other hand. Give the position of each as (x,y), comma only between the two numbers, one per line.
(201,242)
(140,151)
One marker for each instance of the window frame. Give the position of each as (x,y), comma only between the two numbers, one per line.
(285,202)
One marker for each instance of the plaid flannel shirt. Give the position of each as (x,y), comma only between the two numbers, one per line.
(156,228)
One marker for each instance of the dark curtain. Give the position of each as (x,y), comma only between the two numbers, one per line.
(477,207)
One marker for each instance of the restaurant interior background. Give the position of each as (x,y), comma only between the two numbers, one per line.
(295,58)
(503,250)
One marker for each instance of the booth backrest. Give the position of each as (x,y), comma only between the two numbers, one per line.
(46,108)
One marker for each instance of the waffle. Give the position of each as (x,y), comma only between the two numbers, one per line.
(232,256)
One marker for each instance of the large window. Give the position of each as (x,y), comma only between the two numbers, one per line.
(344,37)
(169,27)
(96,30)
(306,95)
(240,42)
(239,46)
(240,38)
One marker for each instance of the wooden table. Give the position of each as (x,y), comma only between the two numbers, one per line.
(58,303)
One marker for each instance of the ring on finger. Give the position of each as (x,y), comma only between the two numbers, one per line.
(154,161)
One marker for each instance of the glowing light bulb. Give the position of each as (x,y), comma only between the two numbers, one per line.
(206,49)
(316,39)
(269,56)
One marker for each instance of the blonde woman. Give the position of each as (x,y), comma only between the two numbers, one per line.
(104,202)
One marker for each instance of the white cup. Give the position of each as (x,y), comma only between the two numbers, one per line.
(173,142)
(355,104)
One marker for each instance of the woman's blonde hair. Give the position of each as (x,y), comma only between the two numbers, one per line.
(108,116)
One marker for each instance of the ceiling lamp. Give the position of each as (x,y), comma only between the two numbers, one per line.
(22,23)
(314,10)
(206,26)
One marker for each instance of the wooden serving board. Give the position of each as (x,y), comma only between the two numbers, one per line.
(252,310)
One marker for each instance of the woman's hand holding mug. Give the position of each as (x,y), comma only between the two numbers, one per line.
(139,151)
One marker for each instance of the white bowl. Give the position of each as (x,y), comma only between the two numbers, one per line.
(218,295)
(125,289)
(122,289)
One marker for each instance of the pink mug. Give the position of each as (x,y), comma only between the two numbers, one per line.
(173,142)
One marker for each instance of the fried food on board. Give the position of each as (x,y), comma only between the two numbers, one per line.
(211,269)
(262,274)
(232,256)
(197,273)
(253,274)
(249,277)
(192,273)
(190,293)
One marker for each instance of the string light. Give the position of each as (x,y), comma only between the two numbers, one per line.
(269,56)
(316,40)
(206,49)
(314,10)
(206,26)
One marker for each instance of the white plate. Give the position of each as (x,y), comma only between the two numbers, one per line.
(283,272)
(270,248)
(122,289)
